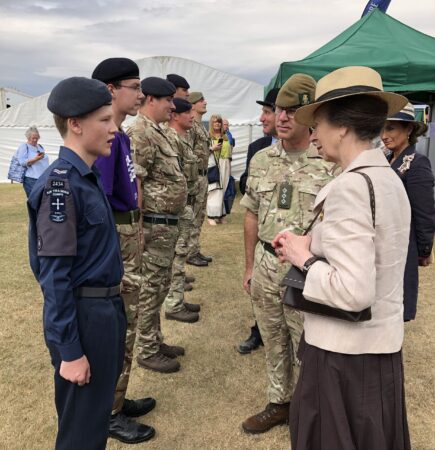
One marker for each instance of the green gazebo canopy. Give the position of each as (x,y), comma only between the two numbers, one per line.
(404,57)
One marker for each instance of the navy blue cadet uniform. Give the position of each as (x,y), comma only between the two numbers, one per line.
(73,244)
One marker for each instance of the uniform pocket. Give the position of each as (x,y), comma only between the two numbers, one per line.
(307,196)
(265,190)
(96,216)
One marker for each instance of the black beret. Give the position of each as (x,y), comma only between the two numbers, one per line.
(157,87)
(178,81)
(270,98)
(77,96)
(181,105)
(116,69)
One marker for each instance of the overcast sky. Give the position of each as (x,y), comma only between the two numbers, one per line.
(43,41)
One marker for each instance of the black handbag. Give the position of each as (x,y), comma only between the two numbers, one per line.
(213,173)
(295,282)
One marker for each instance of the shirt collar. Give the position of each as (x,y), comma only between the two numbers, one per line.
(74,159)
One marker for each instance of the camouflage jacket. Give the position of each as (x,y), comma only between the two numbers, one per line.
(282,187)
(164,185)
(189,161)
(200,144)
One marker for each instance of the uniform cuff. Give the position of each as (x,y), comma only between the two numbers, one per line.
(71,352)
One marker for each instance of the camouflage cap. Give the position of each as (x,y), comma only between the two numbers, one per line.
(195,97)
(298,90)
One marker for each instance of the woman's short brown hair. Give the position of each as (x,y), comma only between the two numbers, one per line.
(365,115)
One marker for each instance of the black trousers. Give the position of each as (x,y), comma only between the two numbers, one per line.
(84,412)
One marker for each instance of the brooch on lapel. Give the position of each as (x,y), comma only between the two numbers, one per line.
(407,160)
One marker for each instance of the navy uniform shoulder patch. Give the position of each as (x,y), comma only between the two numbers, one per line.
(56,222)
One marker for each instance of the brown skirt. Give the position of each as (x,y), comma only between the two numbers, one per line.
(349,402)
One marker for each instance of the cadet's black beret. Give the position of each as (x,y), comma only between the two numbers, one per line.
(270,98)
(178,81)
(77,96)
(181,105)
(116,69)
(157,87)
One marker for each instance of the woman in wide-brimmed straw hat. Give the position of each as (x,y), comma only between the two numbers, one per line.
(350,390)
(400,135)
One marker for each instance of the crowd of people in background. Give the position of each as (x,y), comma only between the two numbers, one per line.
(116,219)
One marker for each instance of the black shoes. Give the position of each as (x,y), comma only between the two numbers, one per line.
(195,260)
(136,408)
(128,431)
(252,343)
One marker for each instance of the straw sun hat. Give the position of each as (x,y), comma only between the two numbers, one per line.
(407,114)
(346,82)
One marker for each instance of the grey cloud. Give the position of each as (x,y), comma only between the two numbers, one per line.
(44,40)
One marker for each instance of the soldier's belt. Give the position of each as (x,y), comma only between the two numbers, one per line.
(268,247)
(161,219)
(126,217)
(97,292)
(202,172)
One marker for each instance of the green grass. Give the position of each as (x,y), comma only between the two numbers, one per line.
(203,405)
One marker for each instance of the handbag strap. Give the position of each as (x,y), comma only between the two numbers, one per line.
(372,204)
(372,196)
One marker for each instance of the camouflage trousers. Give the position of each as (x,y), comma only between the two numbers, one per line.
(160,241)
(130,289)
(199,212)
(175,298)
(280,326)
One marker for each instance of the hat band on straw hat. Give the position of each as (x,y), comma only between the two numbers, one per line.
(403,116)
(335,93)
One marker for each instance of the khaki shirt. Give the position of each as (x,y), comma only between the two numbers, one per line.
(164,186)
(189,161)
(295,178)
(200,144)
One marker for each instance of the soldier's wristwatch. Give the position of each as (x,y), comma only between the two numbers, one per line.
(308,263)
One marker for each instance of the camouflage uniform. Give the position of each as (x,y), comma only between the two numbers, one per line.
(129,240)
(164,192)
(183,146)
(201,148)
(275,174)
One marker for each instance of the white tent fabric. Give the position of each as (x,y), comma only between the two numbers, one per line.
(226,94)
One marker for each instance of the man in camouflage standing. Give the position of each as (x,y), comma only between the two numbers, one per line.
(164,197)
(181,85)
(201,148)
(179,125)
(282,184)
(122,189)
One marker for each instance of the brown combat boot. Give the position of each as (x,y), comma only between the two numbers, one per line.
(188,287)
(171,351)
(189,279)
(274,414)
(183,316)
(159,363)
(192,307)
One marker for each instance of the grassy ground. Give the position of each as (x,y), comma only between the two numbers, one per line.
(202,406)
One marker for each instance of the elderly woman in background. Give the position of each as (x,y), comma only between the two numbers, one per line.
(400,135)
(350,393)
(220,156)
(32,156)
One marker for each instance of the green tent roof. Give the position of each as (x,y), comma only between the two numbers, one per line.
(404,57)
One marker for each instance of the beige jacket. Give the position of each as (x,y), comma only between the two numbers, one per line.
(365,265)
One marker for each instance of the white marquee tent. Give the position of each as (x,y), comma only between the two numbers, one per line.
(226,94)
